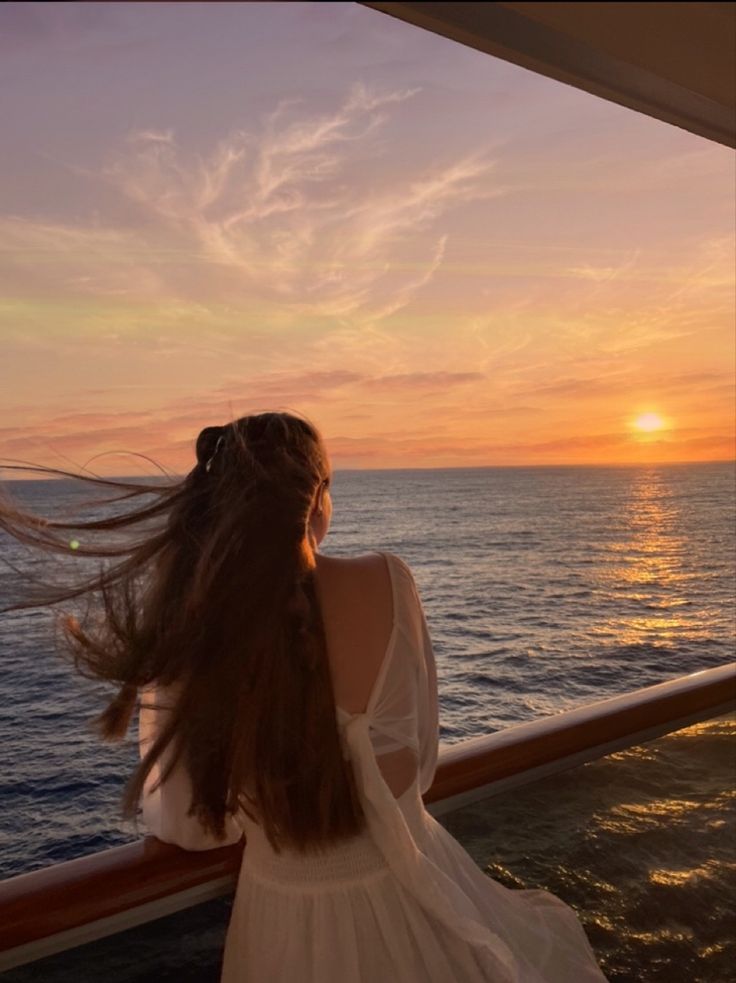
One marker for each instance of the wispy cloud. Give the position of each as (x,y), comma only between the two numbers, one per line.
(276,210)
(268,221)
(414,381)
(47,258)
(605,274)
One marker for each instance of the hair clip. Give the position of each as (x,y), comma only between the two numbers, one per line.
(208,465)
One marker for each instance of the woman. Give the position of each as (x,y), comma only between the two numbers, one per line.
(292,697)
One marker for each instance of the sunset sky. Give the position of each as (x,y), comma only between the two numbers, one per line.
(440,258)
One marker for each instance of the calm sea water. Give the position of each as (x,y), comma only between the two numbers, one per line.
(544,589)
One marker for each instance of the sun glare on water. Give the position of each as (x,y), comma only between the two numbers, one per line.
(649,423)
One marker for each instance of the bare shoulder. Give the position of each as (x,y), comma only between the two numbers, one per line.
(365,564)
(365,561)
(360,580)
(368,566)
(357,602)
(372,573)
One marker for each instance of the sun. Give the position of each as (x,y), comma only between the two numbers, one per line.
(649,423)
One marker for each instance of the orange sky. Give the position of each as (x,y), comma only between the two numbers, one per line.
(442,259)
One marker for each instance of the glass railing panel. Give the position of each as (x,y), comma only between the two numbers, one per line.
(640,843)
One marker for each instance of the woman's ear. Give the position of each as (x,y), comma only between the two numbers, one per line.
(319,503)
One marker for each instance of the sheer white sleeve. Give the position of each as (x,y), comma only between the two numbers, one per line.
(165,808)
(402,715)
(428,716)
(427,710)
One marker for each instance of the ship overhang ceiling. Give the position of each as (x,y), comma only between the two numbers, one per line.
(675,62)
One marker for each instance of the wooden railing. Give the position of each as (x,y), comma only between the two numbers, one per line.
(71,903)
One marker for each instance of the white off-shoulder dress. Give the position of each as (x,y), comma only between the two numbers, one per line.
(401,902)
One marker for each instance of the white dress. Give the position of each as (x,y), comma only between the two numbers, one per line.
(401,902)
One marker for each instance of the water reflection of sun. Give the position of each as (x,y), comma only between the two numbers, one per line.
(644,573)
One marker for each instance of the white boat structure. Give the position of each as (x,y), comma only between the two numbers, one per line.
(675,62)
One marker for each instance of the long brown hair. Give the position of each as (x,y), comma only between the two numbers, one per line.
(217,601)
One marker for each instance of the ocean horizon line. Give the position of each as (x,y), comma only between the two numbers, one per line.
(436,469)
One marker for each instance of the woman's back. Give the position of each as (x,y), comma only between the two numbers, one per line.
(402,900)
(357,605)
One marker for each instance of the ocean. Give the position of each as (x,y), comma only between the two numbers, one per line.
(544,588)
